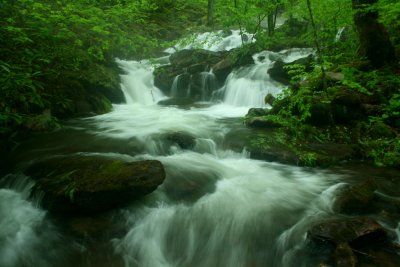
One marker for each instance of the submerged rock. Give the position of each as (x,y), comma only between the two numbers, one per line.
(356,199)
(93,184)
(177,101)
(182,139)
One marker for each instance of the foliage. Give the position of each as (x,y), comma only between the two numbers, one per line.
(50,47)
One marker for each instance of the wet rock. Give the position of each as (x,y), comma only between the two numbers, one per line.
(164,77)
(358,241)
(275,154)
(188,57)
(269,99)
(93,184)
(182,139)
(346,230)
(280,71)
(177,101)
(222,69)
(189,185)
(356,198)
(262,122)
(257,112)
(344,256)
(195,61)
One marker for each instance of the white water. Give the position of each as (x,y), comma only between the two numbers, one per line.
(254,214)
(213,41)
(248,86)
(26,238)
(138,82)
(216,207)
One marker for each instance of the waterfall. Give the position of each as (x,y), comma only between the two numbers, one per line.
(216,207)
(198,86)
(138,83)
(214,41)
(248,86)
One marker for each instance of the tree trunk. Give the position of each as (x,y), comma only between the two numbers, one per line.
(374,39)
(317,44)
(271,24)
(210,14)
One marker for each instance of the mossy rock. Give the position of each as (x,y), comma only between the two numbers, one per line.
(93,184)
(263,122)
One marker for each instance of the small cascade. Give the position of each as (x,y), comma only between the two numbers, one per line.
(214,41)
(138,83)
(339,34)
(176,85)
(248,86)
(197,86)
(208,84)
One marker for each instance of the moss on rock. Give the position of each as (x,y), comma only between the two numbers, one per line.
(93,184)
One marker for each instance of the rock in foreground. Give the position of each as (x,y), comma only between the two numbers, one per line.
(93,184)
(350,242)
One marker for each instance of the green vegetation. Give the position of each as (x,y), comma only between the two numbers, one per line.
(57,61)
(346,98)
(57,57)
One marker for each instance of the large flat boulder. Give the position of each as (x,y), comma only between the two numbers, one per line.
(93,184)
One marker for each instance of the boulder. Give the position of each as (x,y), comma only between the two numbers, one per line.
(347,230)
(188,57)
(222,69)
(262,122)
(358,241)
(280,71)
(164,77)
(356,198)
(194,62)
(93,184)
(257,112)
(269,99)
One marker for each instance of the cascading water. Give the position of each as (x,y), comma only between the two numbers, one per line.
(249,85)
(216,207)
(214,41)
(139,75)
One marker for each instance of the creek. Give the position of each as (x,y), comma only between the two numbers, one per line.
(217,206)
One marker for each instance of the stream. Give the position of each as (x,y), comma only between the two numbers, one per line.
(216,208)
